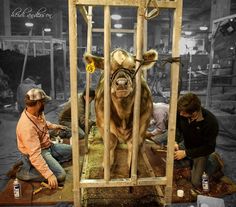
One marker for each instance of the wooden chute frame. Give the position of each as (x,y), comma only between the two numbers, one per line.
(133,180)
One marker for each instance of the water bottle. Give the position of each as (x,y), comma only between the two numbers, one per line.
(205,182)
(17,189)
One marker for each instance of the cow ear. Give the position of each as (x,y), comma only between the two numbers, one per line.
(98,61)
(149,58)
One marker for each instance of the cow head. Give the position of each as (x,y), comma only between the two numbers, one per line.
(123,69)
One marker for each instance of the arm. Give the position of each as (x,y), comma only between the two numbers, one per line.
(55,126)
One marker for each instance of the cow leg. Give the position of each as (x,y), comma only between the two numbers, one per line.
(113,144)
(129,145)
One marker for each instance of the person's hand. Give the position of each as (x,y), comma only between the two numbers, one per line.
(92,123)
(52,181)
(180,154)
(148,134)
(62,127)
(176,147)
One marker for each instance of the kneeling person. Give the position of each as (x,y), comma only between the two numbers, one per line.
(199,128)
(65,114)
(41,158)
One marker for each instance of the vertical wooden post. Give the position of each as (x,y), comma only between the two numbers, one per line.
(145,36)
(64,65)
(136,135)
(173,102)
(209,78)
(74,100)
(88,77)
(26,56)
(135,38)
(107,44)
(52,70)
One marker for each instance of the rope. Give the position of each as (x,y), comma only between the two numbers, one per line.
(153,13)
(132,73)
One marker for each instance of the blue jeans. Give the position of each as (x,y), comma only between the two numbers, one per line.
(203,164)
(54,155)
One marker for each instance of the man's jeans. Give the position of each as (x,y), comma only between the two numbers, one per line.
(203,164)
(54,155)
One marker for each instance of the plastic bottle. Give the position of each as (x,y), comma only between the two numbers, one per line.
(16,189)
(205,182)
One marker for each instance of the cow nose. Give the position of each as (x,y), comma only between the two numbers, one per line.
(122,82)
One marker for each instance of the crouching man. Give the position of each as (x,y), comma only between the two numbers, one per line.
(41,158)
(199,129)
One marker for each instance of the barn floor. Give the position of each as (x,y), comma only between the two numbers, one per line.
(135,196)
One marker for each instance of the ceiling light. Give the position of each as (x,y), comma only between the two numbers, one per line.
(92,22)
(118,26)
(47,30)
(119,34)
(115,16)
(187,32)
(29,24)
(203,28)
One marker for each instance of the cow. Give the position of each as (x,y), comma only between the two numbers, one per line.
(123,86)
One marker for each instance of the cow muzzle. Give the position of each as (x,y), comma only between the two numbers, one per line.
(122,83)
(121,87)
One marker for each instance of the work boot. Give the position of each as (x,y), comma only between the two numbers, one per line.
(15,168)
(220,161)
(219,172)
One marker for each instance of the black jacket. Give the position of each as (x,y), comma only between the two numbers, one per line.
(199,136)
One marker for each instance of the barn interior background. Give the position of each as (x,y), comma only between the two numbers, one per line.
(41,49)
(44,40)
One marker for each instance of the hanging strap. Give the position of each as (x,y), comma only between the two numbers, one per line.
(154,12)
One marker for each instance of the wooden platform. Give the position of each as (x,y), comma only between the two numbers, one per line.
(124,196)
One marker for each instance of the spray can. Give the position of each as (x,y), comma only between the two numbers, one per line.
(16,189)
(205,183)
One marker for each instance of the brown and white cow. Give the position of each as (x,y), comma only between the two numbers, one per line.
(123,86)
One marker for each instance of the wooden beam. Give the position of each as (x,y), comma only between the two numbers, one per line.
(131,3)
(74,100)
(173,102)
(88,77)
(107,104)
(122,182)
(33,39)
(84,13)
(115,30)
(52,70)
(152,174)
(137,100)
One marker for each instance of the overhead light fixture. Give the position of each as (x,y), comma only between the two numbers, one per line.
(203,28)
(92,22)
(116,16)
(188,33)
(118,26)
(29,24)
(119,34)
(47,30)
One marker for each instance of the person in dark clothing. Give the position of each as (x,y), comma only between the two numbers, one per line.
(65,115)
(199,128)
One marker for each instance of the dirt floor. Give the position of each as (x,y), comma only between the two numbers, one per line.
(226,146)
